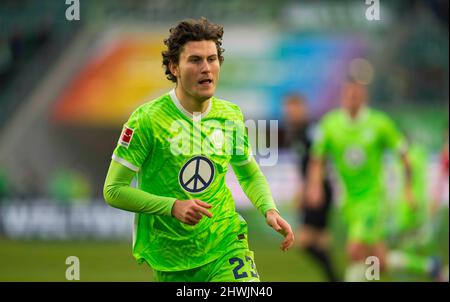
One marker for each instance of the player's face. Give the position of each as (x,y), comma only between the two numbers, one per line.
(295,113)
(198,70)
(353,96)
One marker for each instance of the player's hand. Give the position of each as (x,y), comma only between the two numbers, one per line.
(410,198)
(314,196)
(281,226)
(190,211)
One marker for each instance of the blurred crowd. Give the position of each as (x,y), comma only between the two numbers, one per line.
(65,185)
(410,58)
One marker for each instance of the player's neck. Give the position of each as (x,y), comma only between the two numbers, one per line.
(189,103)
(355,113)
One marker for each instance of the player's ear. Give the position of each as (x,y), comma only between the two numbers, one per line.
(173,67)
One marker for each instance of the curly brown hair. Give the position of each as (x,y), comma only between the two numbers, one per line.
(186,31)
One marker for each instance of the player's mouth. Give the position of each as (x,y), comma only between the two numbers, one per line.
(205,82)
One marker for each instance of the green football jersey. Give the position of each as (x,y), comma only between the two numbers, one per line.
(185,156)
(357,148)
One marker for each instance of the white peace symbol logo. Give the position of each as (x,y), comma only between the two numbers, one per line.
(196,174)
(355,156)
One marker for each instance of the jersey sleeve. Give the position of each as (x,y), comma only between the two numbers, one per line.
(255,186)
(134,143)
(118,193)
(242,153)
(392,138)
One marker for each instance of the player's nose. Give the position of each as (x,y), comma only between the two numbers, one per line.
(205,66)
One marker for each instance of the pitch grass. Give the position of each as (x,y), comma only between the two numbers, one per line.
(112,261)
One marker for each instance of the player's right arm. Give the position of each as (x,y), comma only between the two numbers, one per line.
(314,188)
(119,194)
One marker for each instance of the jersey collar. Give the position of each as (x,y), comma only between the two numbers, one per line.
(180,107)
(361,116)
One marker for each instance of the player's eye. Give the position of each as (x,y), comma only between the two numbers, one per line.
(194,59)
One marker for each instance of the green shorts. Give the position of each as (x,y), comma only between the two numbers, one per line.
(236,265)
(365,221)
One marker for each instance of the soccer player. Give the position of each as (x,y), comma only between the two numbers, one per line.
(179,146)
(440,190)
(355,137)
(411,228)
(312,231)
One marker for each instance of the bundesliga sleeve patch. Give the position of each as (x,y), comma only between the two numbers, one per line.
(126,137)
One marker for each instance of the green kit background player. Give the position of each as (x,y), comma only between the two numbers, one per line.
(356,137)
(412,228)
(180,146)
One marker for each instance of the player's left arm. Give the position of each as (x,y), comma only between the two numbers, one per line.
(255,186)
(396,141)
(407,167)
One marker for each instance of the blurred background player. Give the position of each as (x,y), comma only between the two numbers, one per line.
(441,188)
(413,228)
(441,192)
(312,230)
(355,137)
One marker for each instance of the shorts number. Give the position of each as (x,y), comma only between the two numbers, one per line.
(253,272)
(240,263)
(236,273)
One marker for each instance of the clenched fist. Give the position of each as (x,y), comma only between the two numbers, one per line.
(190,211)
